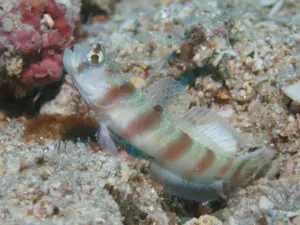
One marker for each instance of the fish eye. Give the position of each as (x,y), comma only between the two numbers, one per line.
(96,54)
(96,58)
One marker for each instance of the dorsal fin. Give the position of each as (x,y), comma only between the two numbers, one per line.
(171,95)
(208,128)
(200,123)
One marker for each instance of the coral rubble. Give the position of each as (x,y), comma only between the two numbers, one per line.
(71,184)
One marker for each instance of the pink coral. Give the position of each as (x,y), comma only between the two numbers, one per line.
(41,47)
(44,72)
(51,39)
(25,40)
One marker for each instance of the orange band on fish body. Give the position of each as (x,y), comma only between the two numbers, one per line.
(176,149)
(142,124)
(203,165)
(117,92)
(236,175)
(225,168)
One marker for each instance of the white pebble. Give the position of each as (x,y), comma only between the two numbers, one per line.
(265,203)
(13,164)
(257,65)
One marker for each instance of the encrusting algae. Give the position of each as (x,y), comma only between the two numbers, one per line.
(60,127)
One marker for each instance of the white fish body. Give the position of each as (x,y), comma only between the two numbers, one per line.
(193,151)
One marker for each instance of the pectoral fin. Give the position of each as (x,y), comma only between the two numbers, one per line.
(105,140)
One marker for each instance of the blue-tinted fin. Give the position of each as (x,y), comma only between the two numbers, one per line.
(105,140)
(131,150)
(185,188)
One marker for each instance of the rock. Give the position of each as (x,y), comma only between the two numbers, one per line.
(298,121)
(66,102)
(204,220)
(243,94)
(91,8)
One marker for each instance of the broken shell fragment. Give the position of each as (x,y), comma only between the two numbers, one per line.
(47,21)
(292,91)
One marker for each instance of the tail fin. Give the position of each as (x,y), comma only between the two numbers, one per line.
(251,165)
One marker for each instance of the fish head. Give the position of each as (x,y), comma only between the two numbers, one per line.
(87,66)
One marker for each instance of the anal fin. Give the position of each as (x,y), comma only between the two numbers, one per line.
(184,188)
